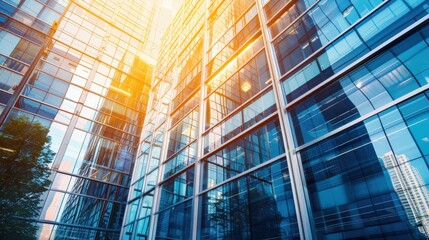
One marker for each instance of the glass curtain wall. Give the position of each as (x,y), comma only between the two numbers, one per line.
(86,97)
(302,119)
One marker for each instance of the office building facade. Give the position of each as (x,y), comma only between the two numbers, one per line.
(272,119)
(81,70)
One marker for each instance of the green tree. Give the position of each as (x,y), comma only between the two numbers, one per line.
(24,157)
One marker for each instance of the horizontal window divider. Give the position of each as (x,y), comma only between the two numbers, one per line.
(130,200)
(12,70)
(98,111)
(220,165)
(110,23)
(14,59)
(364,117)
(83,88)
(136,180)
(148,191)
(244,64)
(51,93)
(189,42)
(157,84)
(2,90)
(190,72)
(314,55)
(293,22)
(35,114)
(186,86)
(192,94)
(71,225)
(92,179)
(241,107)
(232,25)
(138,196)
(45,61)
(240,135)
(175,174)
(178,151)
(185,115)
(259,166)
(286,7)
(83,195)
(141,218)
(45,103)
(356,64)
(94,121)
(20,21)
(173,205)
(97,122)
(233,56)
(158,126)
(190,16)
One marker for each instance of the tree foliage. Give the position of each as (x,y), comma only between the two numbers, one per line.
(24,157)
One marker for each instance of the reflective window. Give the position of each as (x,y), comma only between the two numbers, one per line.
(366,35)
(79,210)
(254,112)
(249,151)
(241,86)
(321,24)
(389,76)
(8,43)
(226,17)
(233,39)
(291,13)
(273,7)
(185,108)
(177,189)
(235,64)
(8,81)
(152,179)
(380,184)
(32,7)
(258,205)
(175,222)
(183,133)
(184,158)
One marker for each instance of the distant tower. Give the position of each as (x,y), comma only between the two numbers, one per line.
(411,189)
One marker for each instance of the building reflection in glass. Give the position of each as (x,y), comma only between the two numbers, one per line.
(90,89)
(104,159)
(258,205)
(411,189)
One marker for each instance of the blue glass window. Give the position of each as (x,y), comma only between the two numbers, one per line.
(254,112)
(240,87)
(175,222)
(177,189)
(379,174)
(183,133)
(390,75)
(321,24)
(181,160)
(256,206)
(249,151)
(366,35)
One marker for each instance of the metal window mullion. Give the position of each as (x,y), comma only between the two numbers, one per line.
(157,191)
(294,167)
(200,141)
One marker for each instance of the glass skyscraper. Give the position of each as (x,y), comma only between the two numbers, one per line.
(248,119)
(78,72)
(270,119)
